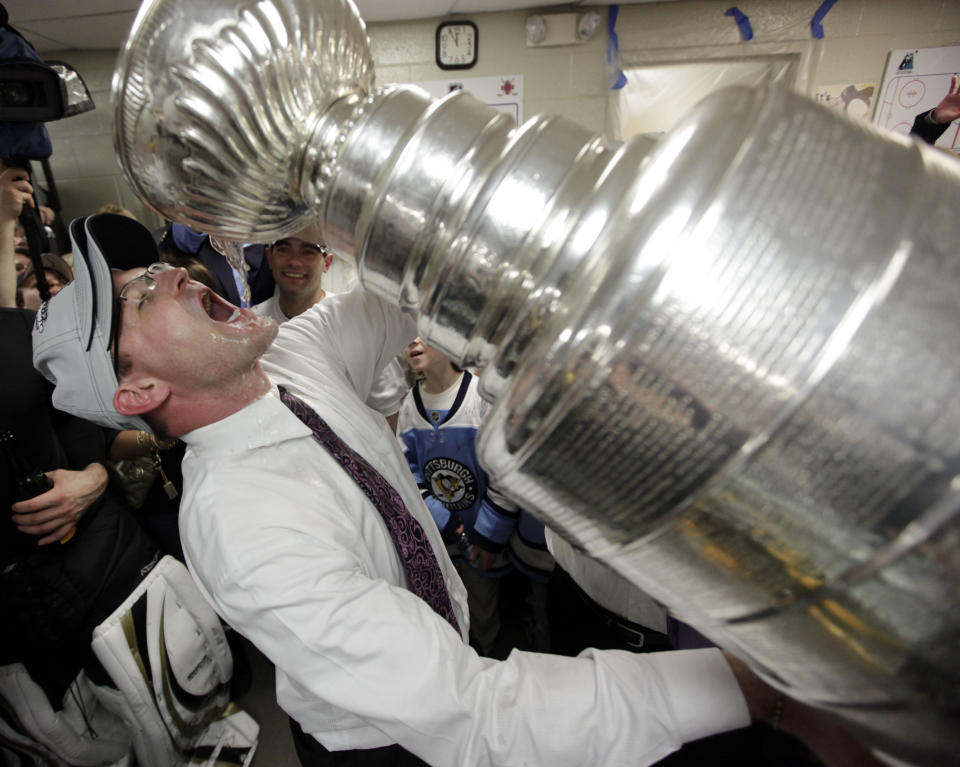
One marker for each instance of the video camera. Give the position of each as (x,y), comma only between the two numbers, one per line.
(34,92)
(41,92)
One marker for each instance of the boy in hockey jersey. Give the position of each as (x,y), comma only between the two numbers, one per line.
(437,426)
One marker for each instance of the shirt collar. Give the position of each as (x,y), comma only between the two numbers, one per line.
(265,421)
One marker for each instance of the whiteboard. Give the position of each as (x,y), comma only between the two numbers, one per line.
(915,81)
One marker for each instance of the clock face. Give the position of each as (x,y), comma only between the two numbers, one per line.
(456,45)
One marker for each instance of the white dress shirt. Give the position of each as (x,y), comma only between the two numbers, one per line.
(292,554)
(389,387)
(607,587)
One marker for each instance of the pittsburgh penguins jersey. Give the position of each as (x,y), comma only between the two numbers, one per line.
(440,446)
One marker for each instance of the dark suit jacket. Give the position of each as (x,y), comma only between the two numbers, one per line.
(259,276)
(924,127)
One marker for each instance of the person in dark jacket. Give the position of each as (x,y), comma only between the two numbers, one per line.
(932,124)
(72,553)
(259,277)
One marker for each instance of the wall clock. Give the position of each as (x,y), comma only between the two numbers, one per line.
(456,45)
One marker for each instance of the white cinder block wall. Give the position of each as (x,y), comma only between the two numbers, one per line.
(567,80)
(84,166)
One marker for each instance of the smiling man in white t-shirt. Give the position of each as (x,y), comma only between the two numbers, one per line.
(298,264)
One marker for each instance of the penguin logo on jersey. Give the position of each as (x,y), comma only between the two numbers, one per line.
(452,483)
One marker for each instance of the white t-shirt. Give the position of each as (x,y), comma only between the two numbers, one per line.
(390,386)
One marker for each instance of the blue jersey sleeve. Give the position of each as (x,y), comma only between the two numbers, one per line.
(496,520)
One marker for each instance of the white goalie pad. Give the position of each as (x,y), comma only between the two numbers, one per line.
(83,733)
(166,652)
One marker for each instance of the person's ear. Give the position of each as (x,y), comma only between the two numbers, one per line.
(139,396)
(268,252)
(327,260)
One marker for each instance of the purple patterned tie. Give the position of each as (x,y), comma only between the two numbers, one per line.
(419,561)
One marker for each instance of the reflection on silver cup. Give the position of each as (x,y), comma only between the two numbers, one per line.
(724,363)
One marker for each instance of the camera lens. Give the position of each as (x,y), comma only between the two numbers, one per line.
(17,94)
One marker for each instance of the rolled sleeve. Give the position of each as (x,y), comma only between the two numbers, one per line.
(703,691)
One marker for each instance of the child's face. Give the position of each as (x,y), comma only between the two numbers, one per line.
(420,356)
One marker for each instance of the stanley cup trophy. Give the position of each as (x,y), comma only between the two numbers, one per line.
(726,364)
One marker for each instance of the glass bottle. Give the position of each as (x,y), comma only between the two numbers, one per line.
(26,482)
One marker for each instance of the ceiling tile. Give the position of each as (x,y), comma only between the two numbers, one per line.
(40,42)
(103,24)
(489,6)
(394,10)
(21,11)
(81,32)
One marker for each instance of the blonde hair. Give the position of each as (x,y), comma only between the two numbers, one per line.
(112,207)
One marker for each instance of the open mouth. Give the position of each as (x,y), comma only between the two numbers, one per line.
(218,309)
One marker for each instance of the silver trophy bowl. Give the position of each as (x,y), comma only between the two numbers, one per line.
(724,363)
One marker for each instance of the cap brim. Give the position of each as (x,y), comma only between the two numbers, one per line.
(72,335)
(91,311)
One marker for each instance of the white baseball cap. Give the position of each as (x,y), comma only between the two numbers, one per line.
(73,330)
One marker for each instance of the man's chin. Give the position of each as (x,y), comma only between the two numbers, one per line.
(250,329)
(260,326)
(297,289)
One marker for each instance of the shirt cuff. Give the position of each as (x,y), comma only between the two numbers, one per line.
(704,692)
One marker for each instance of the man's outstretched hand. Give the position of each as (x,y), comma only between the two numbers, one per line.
(822,733)
(948,109)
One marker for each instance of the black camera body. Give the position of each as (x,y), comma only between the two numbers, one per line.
(33,92)
(30,91)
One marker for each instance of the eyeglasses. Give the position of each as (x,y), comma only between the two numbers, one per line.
(139,288)
(136,291)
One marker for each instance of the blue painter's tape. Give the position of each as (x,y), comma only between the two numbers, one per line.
(743,21)
(613,48)
(816,23)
